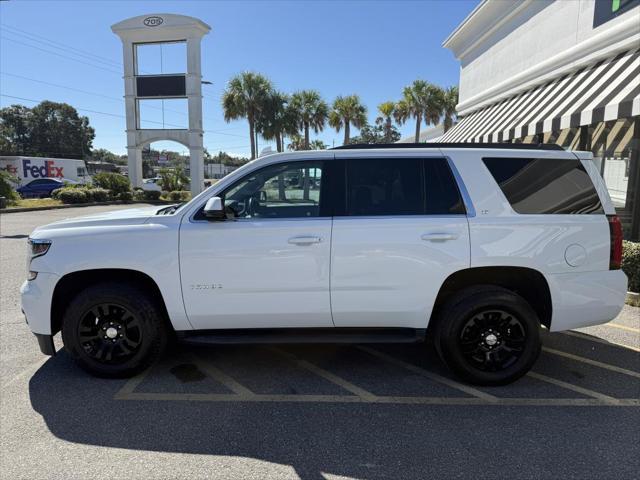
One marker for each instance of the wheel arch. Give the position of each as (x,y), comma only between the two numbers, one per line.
(526,282)
(73,283)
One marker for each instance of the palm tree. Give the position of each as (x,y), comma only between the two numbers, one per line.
(422,101)
(311,112)
(450,98)
(386,110)
(345,112)
(245,97)
(277,119)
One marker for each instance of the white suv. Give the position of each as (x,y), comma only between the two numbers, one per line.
(474,246)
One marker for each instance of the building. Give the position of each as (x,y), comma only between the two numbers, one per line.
(554,71)
(217,170)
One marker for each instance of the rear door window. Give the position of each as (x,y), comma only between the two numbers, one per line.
(545,185)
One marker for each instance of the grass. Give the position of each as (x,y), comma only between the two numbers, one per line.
(35,202)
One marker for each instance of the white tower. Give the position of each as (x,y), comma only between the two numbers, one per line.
(139,86)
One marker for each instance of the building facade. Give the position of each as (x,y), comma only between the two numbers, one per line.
(556,71)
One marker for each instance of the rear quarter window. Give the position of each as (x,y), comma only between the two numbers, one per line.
(545,185)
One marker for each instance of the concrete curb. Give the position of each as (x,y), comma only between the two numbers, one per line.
(77,205)
(633,299)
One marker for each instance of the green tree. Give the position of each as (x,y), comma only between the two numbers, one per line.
(450,100)
(318,145)
(377,134)
(277,119)
(104,155)
(385,119)
(172,180)
(49,129)
(310,111)
(421,101)
(245,97)
(347,111)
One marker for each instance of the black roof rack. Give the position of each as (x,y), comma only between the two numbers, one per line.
(507,146)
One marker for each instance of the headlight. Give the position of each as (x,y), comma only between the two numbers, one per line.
(37,248)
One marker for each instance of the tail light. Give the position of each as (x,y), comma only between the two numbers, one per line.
(615,235)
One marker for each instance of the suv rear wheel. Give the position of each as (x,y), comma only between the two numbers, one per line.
(114,330)
(488,335)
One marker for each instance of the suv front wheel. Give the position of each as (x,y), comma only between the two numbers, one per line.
(488,335)
(114,330)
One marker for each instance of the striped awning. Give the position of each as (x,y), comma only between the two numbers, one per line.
(606,90)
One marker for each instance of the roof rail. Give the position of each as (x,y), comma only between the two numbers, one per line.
(504,146)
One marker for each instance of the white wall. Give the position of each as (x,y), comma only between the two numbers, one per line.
(504,46)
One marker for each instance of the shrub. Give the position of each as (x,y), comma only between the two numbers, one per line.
(125,196)
(56,193)
(631,264)
(6,187)
(97,194)
(72,195)
(138,194)
(152,195)
(114,182)
(178,195)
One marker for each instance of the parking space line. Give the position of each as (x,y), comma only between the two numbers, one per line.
(591,338)
(221,377)
(569,386)
(444,401)
(430,375)
(622,327)
(595,363)
(131,385)
(321,372)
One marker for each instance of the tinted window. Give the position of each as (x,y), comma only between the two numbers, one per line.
(384,187)
(289,190)
(443,196)
(545,185)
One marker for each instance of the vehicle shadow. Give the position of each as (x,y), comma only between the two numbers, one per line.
(361,440)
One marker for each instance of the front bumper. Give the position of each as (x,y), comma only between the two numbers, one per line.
(35,297)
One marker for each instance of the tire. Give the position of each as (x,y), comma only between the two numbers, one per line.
(488,335)
(114,330)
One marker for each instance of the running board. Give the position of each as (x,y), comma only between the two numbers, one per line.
(301,335)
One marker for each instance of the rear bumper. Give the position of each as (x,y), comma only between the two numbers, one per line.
(585,299)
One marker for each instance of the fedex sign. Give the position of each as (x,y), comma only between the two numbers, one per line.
(47,170)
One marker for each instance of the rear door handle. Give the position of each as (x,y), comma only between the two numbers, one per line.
(304,240)
(439,237)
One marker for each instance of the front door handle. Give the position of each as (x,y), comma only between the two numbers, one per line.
(439,237)
(304,240)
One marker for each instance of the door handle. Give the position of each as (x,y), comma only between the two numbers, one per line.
(439,237)
(304,240)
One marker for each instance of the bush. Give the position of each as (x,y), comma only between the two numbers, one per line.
(631,264)
(152,195)
(114,182)
(56,193)
(97,194)
(72,195)
(6,187)
(125,196)
(138,194)
(178,195)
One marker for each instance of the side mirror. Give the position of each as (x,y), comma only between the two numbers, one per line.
(214,209)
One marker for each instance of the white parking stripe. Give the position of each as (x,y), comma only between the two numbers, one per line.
(221,377)
(341,382)
(595,363)
(591,338)
(450,401)
(569,386)
(433,376)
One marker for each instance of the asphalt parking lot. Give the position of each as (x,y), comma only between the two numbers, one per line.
(313,412)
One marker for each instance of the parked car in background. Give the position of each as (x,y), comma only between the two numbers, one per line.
(42,187)
(152,184)
(474,246)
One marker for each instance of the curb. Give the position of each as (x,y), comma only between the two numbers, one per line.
(633,299)
(78,205)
